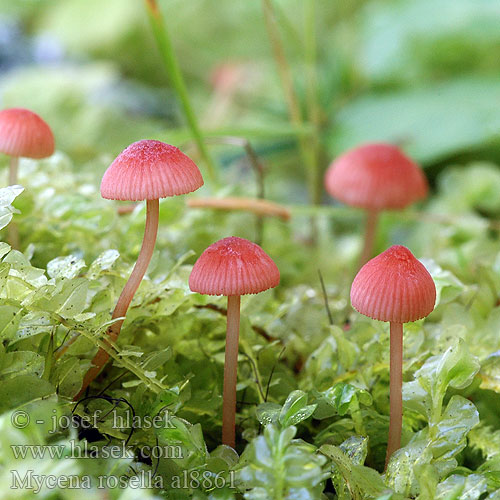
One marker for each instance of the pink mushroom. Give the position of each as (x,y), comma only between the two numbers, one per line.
(146,170)
(394,287)
(232,267)
(375,177)
(23,133)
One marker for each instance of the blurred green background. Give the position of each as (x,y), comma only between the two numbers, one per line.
(424,74)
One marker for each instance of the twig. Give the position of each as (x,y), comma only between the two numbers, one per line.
(325,297)
(260,207)
(272,373)
(258,169)
(256,373)
(257,329)
(252,156)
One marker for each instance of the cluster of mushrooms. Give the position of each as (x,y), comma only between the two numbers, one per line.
(393,287)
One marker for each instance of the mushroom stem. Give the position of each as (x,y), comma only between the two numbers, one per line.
(396,395)
(148,243)
(12,229)
(141,266)
(13,167)
(370,229)
(230,371)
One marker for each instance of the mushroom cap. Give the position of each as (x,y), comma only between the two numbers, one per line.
(395,287)
(149,170)
(376,177)
(233,266)
(24,133)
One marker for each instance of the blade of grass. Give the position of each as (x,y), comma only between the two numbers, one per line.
(291,35)
(282,63)
(172,65)
(310,58)
(307,153)
(306,145)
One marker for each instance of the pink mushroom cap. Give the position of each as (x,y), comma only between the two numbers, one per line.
(395,287)
(376,177)
(24,133)
(149,170)
(233,266)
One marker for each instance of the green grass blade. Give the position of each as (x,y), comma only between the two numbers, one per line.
(172,65)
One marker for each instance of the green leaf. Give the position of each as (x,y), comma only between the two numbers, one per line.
(295,409)
(431,33)
(4,249)
(277,466)
(426,120)
(448,286)
(17,363)
(32,388)
(8,195)
(69,298)
(33,323)
(65,267)
(440,443)
(68,376)
(458,487)
(268,413)
(104,262)
(9,320)
(449,434)
(356,448)
(352,480)
(428,479)
(341,399)
(490,372)
(190,437)
(456,368)
(22,268)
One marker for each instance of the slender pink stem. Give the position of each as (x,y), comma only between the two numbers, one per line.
(396,395)
(148,243)
(13,167)
(230,371)
(12,229)
(370,230)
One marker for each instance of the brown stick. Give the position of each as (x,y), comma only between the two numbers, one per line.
(128,292)
(396,393)
(259,207)
(230,371)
